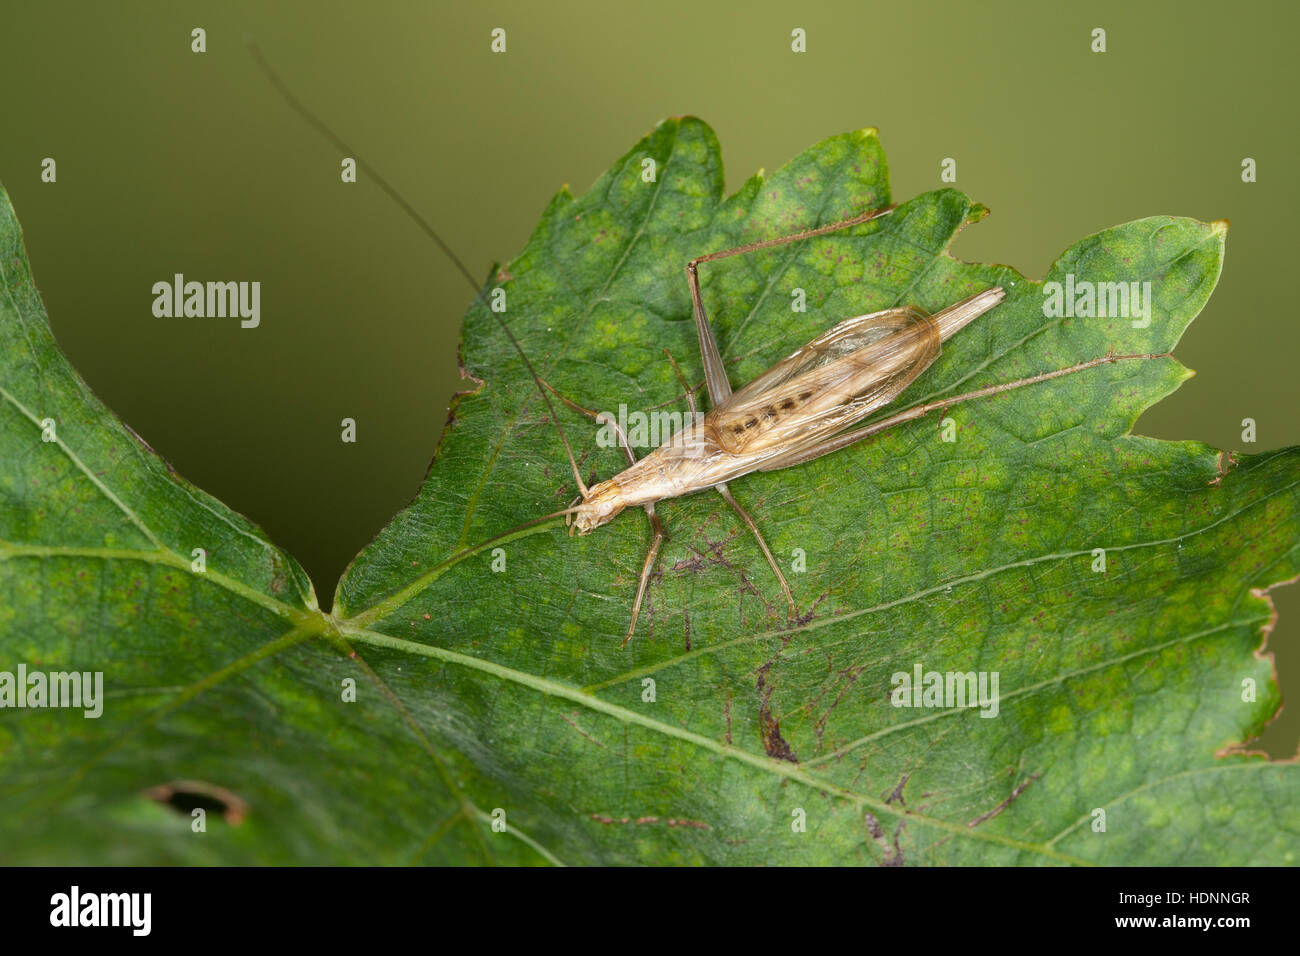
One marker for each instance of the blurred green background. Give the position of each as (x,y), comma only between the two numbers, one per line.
(170,161)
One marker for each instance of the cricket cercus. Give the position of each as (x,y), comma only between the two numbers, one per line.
(802,408)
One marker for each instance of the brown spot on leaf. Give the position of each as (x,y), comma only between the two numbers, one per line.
(892,852)
(1005,803)
(768,728)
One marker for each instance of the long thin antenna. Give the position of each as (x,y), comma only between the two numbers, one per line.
(479,291)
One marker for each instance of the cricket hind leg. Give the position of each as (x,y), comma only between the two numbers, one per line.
(853,436)
(715,374)
(600,418)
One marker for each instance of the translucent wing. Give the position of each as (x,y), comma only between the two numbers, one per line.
(833,382)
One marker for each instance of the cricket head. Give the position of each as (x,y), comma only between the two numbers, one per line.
(603,503)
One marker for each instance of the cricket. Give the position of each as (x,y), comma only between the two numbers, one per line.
(803,407)
(810,404)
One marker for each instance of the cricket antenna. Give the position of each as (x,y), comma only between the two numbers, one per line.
(479,291)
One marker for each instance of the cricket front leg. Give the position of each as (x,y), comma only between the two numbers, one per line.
(600,418)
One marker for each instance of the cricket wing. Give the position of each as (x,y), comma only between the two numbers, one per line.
(831,383)
(845,338)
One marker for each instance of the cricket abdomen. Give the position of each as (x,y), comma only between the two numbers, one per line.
(735,432)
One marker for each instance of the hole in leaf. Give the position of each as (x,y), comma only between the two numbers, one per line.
(186,796)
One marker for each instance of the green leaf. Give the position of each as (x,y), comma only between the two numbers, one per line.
(504,695)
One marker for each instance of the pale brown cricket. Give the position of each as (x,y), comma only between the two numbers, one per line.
(802,408)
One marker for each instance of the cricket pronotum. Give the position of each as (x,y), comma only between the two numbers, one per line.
(803,407)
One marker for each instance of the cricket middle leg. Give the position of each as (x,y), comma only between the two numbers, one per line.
(767,553)
(729,499)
